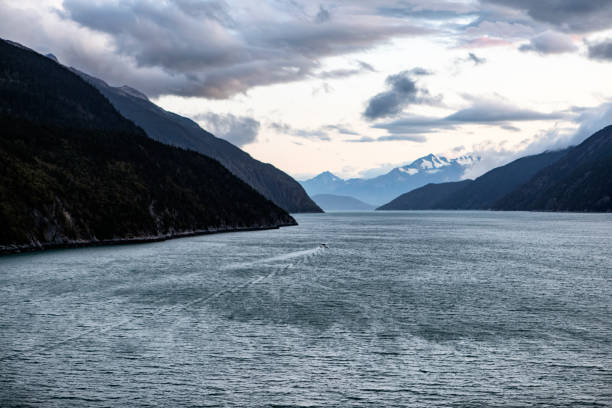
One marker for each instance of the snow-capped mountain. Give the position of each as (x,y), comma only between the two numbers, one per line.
(381,189)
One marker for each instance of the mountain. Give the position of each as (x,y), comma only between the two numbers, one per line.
(478,194)
(381,189)
(331,202)
(493,185)
(75,172)
(172,129)
(580,181)
(426,197)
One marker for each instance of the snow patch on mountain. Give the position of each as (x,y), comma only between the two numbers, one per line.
(383,188)
(409,171)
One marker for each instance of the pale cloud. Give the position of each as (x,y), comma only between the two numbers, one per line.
(550,42)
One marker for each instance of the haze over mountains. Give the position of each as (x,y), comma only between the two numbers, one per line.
(331,202)
(381,189)
(75,172)
(574,179)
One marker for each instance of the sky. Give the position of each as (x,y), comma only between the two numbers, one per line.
(352,87)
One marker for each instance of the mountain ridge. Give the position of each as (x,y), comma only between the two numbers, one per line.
(170,128)
(75,172)
(575,179)
(581,181)
(378,190)
(478,194)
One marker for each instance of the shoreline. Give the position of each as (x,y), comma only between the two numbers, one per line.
(22,249)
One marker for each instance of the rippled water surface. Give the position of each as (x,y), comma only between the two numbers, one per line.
(405,309)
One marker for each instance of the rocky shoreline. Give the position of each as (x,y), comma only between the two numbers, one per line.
(35,247)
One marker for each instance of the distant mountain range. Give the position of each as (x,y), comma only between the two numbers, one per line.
(176,130)
(481,193)
(574,179)
(75,172)
(331,202)
(381,189)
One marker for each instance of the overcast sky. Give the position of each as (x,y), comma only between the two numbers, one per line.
(354,87)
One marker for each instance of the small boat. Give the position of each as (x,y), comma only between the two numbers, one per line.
(323,245)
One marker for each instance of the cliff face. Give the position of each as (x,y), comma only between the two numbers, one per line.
(175,130)
(74,171)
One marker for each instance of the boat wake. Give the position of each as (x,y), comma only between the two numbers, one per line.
(299,256)
(284,257)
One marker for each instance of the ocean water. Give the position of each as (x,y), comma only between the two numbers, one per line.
(424,309)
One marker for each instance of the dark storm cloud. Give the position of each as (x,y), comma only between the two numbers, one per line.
(402,91)
(484,112)
(566,15)
(213,50)
(550,42)
(239,130)
(601,50)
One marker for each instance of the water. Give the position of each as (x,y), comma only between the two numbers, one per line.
(404,309)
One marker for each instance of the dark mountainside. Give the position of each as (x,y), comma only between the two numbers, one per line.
(580,181)
(74,171)
(493,185)
(426,197)
(331,202)
(480,194)
(172,129)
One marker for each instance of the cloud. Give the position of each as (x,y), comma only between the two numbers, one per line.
(508,30)
(476,59)
(589,121)
(402,91)
(323,15)
(601,50)
(429,10)
(343,73)
(342,129)
(239,130)
(284,128)
(565,15)
(214,49)
(390,138)
(324,87)
(550,42)
(494,29)
(485,42)
(321,133)
(486,112)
